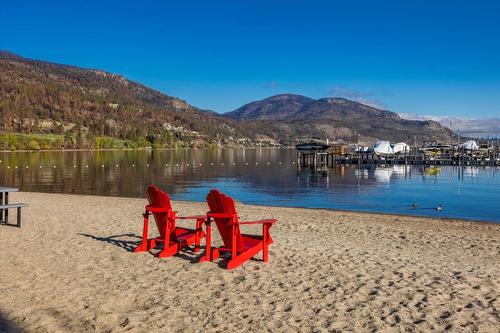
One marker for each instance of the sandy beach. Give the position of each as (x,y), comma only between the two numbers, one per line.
(70,269)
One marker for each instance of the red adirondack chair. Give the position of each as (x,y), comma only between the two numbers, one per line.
(173,238)
(241,246)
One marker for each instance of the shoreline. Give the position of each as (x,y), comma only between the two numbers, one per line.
(132,149)
(339,210)
(69,268)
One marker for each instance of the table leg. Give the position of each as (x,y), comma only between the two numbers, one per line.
(19,217)
(6,211)
(1,210)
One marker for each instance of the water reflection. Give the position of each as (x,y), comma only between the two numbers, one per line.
(260,176)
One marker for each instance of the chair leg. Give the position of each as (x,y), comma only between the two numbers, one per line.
(198,235)
(234,252)
(210,253)
(144,246)
(264,243)
(244,256)
(265,253)
(208,244)
(168,251)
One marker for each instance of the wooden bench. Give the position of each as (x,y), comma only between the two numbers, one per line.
(4,209)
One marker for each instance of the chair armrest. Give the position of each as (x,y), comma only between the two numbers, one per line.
(153,209)
(219,215)
(266,221)
(194,217)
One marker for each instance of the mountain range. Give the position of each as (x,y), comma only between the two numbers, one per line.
(43,97)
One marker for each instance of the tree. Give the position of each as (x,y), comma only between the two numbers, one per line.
(91,140)
(68,140)
(59,129)
(79,136)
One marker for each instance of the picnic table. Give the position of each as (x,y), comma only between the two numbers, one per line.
(5,206)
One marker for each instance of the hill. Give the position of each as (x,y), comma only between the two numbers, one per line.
(335,118)
(43,97)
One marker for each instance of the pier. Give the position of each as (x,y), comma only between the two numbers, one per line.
(316,154)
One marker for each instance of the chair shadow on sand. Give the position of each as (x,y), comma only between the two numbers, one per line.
(117,240)
(9,326)
(129,245)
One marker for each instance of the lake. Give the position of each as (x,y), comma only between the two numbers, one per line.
(262,177)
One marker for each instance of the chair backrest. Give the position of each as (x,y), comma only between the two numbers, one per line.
(220,203)
(160,199)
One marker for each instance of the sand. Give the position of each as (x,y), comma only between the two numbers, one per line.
(70,269)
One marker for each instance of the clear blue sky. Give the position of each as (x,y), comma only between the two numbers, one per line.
(423,57)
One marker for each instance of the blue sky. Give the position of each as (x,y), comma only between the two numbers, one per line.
(437,58)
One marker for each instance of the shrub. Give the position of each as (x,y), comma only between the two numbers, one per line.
(4,144)
(34,145)
(20,146)
(142,142)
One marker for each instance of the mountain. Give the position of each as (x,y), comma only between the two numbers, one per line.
(43,97)
(86,105)
(335,118)
(279,107)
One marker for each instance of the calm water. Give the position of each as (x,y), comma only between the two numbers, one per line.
(260,176)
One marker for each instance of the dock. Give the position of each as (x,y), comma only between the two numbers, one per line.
(317,154)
